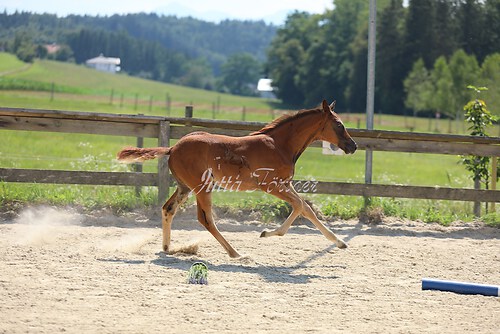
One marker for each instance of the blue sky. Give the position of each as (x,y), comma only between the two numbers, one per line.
(212,10)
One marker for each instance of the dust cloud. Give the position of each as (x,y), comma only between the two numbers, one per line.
(42,225)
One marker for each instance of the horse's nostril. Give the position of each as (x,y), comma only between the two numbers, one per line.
(353,146)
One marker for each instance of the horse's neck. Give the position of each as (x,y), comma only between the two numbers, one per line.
(294,137)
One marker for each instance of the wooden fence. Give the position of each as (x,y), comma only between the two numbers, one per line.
(168,128)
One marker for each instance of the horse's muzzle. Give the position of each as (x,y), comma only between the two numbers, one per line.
(350,147)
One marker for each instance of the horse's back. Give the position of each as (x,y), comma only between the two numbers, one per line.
(199,139)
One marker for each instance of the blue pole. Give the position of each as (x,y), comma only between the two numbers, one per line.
(461,287)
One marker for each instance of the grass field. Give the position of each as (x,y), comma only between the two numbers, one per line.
(82,89)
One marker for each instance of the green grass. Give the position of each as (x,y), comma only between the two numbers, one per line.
(492,219)
(82,89)
(10,63)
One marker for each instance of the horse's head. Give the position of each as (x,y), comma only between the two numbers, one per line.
(334,130)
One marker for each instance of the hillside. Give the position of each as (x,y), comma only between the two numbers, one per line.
(87,89)
(188,37)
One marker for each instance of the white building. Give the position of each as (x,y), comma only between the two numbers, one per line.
(265,88)
(104,64)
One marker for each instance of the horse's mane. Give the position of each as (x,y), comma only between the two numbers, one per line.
(285,119)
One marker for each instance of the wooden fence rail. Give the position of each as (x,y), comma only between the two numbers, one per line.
(167,128)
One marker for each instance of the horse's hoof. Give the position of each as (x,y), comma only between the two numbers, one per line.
(235,255)
(165,249)
(341,245)
(264,234)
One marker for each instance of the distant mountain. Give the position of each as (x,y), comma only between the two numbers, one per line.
(278,17)
(180,10)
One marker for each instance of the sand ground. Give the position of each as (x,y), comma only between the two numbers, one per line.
(64,271)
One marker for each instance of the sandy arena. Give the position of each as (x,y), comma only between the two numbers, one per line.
(63,271)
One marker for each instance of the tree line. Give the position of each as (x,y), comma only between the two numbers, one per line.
(184,51)
(427,54)
(428,51)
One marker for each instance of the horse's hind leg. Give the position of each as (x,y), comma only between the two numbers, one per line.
(205,217)
(168,212)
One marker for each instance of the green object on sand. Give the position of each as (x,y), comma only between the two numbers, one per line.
(198,273)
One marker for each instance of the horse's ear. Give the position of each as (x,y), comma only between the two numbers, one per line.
(325,106)
(332,106)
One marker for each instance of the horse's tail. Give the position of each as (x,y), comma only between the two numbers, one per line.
(136,154)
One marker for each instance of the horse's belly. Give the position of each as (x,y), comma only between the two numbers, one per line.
(229,178)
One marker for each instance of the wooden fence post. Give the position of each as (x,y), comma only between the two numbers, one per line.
(168,103)
(188,113)
(494,175)
(138,166)
(163,172)
(52,88)
(477,204)
(111,96)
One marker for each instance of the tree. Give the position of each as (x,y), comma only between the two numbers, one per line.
(443,87)
(197,74)
(286,56)
(445,29)
(26,53)
(240,74)
(41,51)
(23,47)
(64,54)
(479,118)
(356,91)
(334,60)
(464,71)
(390,60)
(418,88)
(419,33)
(474,26)
(490,77)
(285,63)
(492,26)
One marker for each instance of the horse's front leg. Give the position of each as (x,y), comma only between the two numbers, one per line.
(288,194)
(309,214)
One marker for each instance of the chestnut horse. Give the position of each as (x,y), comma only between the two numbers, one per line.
(264,160)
